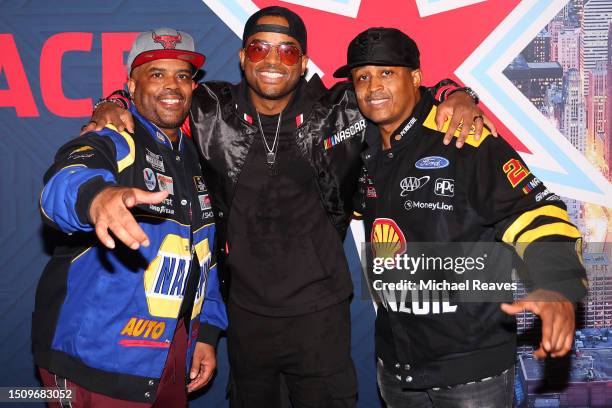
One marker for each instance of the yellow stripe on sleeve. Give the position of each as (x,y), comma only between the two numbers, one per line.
(557,228)
(527,218)
(131,157)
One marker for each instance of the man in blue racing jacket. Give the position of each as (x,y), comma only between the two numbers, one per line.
(124,324)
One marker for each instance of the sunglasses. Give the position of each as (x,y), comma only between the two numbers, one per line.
(258,50)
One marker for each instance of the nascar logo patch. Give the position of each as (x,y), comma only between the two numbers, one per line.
(344,134)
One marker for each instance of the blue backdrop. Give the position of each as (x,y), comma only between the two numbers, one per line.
(31,136)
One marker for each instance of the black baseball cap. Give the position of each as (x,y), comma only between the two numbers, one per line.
(296,28)
(380,46)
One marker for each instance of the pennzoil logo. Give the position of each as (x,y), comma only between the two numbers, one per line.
(387,238)
(344,134)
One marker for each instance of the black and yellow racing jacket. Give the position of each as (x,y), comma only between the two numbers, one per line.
(423,191)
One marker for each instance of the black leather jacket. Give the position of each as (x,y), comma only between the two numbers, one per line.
(224,139)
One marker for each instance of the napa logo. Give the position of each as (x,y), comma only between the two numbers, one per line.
(166,277)
(202,249)
(431,163)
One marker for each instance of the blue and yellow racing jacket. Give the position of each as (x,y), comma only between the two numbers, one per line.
(104,318)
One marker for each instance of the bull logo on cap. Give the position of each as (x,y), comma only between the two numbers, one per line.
(167,41)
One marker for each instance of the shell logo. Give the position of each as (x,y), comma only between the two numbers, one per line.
(387,238)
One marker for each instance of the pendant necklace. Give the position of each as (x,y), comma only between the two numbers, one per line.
(270,151)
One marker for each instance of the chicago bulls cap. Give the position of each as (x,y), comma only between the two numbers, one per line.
(163,43)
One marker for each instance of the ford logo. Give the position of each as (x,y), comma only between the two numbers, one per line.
(431,162)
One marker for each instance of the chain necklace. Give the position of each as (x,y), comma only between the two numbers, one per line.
(270,151)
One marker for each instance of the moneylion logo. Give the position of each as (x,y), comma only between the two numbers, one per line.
(412,183)
(437,206)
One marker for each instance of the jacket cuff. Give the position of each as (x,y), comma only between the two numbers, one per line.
(573,289)
(209,334)
(440,90)
(87,192)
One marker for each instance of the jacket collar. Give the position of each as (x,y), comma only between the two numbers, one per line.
(304,97)
(156,133)
(406,129)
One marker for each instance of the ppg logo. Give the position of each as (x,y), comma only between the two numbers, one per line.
(444,187)
(412,183)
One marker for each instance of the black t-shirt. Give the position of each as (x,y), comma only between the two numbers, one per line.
(279,233)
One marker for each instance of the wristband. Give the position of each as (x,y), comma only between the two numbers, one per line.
(117,101)
(469,91)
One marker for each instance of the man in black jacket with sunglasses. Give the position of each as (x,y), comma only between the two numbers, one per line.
(281,159)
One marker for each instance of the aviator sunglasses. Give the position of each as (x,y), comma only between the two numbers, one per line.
(258,50)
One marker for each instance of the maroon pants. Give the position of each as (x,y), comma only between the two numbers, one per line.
(171,392)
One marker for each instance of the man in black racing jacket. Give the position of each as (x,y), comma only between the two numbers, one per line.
(433,351)
(281,156)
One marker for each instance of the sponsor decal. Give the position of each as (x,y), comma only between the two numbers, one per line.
(165,183)
(553,197)
(344,134)
(515,171)
(444,187)
(299,119)
(409,184)
(531,185)
(165,277)
(370,190)
(155,160)
(202,251)
(205,202)
(80,156)
(83,152)
(543,195)
(81,149)
(162,209)
(387,238)
(199,184)
(143,328)
(432,163)
(437,206)
(144,333)
(149,178)
(408,126)
(161,137)
(166,40)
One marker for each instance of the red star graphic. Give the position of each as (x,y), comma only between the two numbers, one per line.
(445,39)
